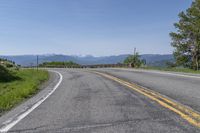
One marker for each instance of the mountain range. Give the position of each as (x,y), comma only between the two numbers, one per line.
(31,60)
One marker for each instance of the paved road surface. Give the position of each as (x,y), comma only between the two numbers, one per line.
(182,88)
(88,103)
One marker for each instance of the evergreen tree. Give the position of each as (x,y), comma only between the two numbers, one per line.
(186,40)
(134,60)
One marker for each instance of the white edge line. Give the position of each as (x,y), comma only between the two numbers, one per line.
(165,73)
(11,124)
(175,74)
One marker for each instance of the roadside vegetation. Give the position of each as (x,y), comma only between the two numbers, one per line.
(134,60)
(17,85)
(186,41)
(67,64)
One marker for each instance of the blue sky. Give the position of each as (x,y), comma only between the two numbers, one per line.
(87,27)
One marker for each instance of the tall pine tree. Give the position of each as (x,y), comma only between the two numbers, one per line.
(186,40)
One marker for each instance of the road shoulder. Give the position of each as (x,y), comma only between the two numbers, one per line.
(45,88)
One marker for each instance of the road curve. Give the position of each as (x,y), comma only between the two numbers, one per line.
(184,88)
(86,103)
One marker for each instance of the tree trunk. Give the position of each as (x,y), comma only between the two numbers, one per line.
(197,63)
(193,65)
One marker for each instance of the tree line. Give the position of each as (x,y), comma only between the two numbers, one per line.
(65,64)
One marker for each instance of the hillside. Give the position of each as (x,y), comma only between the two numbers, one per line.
(7,63)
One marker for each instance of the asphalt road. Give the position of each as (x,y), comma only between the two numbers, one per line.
(88,103)
(184,88)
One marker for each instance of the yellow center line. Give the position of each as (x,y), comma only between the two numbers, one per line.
(186,113)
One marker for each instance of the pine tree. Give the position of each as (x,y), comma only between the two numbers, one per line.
(186,40)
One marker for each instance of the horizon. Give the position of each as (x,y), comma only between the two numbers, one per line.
(98,28)
(77,55)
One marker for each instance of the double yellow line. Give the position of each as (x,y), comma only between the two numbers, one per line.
(186,113)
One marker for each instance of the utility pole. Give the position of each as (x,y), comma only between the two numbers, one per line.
(134,51)
(37,62)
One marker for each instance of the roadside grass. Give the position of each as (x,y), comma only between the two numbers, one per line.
(184,70)
(24,86)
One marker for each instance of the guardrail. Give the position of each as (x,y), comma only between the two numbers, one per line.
(86,66)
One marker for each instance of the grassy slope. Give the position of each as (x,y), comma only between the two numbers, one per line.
(14,92)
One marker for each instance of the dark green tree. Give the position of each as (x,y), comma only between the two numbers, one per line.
(134,60)
(186,40)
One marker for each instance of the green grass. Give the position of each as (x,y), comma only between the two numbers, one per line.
(184,70)
(15,91)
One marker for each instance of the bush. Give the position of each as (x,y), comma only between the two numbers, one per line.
(134,61)
(6,75)
(9,65)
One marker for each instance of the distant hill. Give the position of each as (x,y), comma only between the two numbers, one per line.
(157,59)
(30,60)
